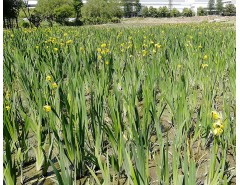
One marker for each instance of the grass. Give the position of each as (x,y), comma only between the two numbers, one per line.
(120,105)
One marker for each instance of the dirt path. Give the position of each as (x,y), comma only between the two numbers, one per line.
(195,19)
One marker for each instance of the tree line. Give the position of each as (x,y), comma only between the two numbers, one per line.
(96,11)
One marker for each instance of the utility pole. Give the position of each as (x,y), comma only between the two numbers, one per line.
(170,5)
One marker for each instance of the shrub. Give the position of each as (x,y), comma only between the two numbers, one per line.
(25,24)
(115,20)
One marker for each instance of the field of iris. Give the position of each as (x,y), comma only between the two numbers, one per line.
(120,105)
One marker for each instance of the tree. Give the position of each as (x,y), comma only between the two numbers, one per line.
(175,13)
(63,12)
(113,8)
(187,12)
(219,6)
(211,6)
(46,9)
(10,12)
(163,11)
(77,5)
(127,8)
(229,10)
(101,9)
(138,7)
(145,12)
(201,11)
(30,14)
(153,12)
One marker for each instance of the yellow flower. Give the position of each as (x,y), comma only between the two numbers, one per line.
(69,42)
(81,49)
(7,107)
(99,57)
(7,96)
(48,78)
(65,34)
(179,65)
(106,62)
(154,51)
(47,108)
(107,50)
(217,131)
(216,115)
(218,124)
(37,47)
(103,45)
(157,45)
(99,50)
(54,85)
(12,35)
(144,52)
(205,57)
(55,50)
(200,46)
(204,65)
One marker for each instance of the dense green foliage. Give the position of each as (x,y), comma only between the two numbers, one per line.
(187,12)
(229,10)
(201,11)
(11,10)
(136,105)
(219,7)
(102,9)
(211,6)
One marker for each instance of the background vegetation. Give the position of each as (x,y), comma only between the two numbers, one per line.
(97,11)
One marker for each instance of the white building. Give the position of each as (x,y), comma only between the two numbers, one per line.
(179,4)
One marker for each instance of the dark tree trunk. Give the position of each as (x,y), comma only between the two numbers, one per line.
(4,22)
(17,22)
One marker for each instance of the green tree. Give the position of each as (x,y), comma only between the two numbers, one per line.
(114,10)
(219,6)
(145,12)
(10,12)
(175,13)
(153,12)
(229,10)
(201,11)
(101,9)
(77,4)
(210,6)
(187,12)
(138,7)
(46,8)
(63,12)
(163,11)
(128,8)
